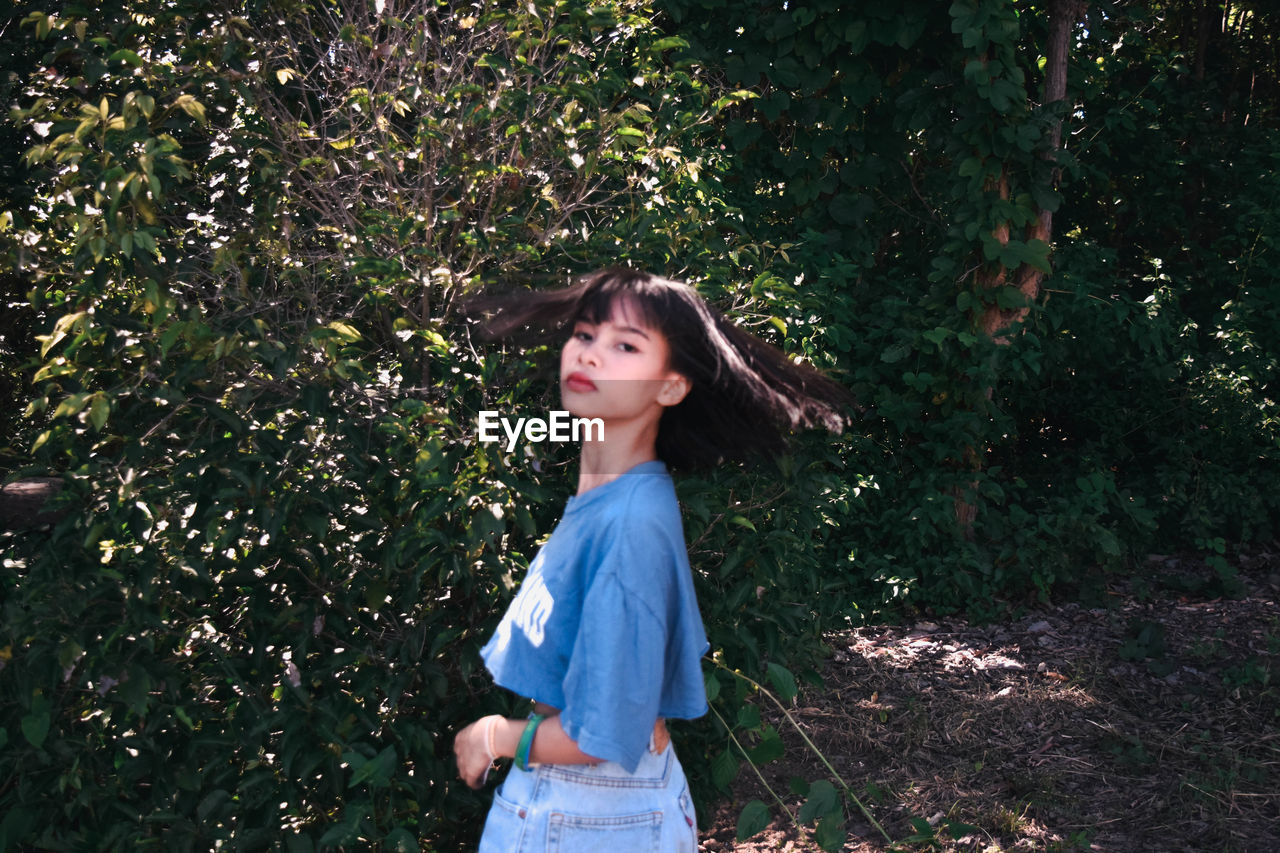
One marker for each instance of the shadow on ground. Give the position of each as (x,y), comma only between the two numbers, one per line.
(1148,724)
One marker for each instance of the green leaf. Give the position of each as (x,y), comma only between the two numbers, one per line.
(184,717)
(712,686)
(35,727)
(135,690)
(125,55)
(43,22)
(1046,198)
(724,769)
(668,43)
(823,801)
(339,834)
(61,329)
(1108,543)
(1036,253)
(400,840)
(831,834)
(41,440)
(736,97)
(1010,297)
(212,803)
(783,681)
(937,336)
(143,239)
(99,409)
(850,208)
(895,353)
(345,332)
(856,35)
(376,771)
(755,817)
(189,105)
(770,748)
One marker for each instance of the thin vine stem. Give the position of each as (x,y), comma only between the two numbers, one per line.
(759,775)
(796,725)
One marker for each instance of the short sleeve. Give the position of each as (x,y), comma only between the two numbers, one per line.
(613,685)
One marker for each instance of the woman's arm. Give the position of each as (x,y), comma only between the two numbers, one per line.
(550,746)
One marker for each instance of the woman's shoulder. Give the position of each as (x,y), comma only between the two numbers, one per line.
(642,499)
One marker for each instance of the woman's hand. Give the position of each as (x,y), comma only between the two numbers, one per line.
(473,750)
(476,747)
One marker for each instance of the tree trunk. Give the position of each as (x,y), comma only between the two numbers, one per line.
(22,503)
(995,321)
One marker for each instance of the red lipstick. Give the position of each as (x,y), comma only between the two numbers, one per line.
(579,382)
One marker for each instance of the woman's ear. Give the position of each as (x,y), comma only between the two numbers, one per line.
(674,389)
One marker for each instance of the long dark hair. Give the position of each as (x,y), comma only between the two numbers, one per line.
(746,396)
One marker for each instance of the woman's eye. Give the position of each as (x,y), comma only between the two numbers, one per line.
(627,348)
(582,336)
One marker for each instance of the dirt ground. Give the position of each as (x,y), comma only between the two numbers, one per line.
(1149,723)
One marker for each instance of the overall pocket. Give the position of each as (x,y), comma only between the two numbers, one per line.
(641,833)
(503,826)
(690,820)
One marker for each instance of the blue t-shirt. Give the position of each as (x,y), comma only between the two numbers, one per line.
(606,626)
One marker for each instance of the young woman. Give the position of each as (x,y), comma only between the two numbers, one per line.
(604,635)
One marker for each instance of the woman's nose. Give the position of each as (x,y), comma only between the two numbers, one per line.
(590,354)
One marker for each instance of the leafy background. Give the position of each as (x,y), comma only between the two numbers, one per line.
(234,243)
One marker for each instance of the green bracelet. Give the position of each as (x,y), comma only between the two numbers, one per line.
(526,741)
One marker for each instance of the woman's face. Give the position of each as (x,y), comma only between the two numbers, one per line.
(617,369)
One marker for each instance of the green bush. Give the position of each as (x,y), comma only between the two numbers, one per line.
(1134,407)
(258,621)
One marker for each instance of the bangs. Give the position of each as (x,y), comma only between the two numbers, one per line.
(628,294)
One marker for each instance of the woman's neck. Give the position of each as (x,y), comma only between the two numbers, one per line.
(604,461)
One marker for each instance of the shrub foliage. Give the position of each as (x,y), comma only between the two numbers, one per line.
(233,245)
(258,622)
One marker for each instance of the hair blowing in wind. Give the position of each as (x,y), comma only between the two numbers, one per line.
(747,396)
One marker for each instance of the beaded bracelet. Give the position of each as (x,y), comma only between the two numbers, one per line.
(526,741)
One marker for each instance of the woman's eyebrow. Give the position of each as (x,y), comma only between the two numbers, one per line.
(633,330)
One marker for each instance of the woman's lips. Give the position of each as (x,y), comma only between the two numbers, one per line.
(579,382)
